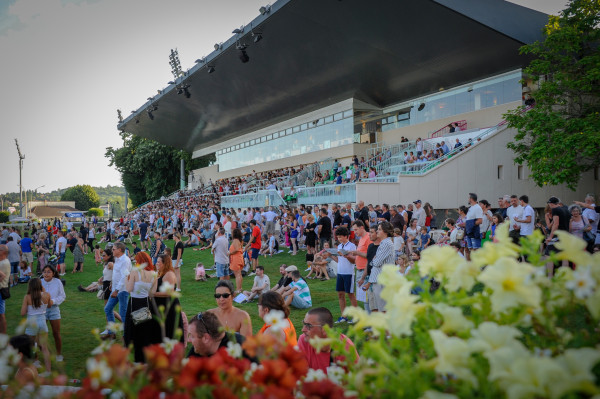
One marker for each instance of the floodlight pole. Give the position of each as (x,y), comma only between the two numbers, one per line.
(21,158)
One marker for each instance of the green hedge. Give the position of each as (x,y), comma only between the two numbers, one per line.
(95,212)
(4,216)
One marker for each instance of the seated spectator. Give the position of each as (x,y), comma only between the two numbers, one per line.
(297,294)
(458,144)
(232,318)
(261,284)
(268,302)
(285,279)
(313,324)
(424,239)
(24,272)
(193,241)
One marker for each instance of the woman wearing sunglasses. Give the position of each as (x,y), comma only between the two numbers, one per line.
(232,318)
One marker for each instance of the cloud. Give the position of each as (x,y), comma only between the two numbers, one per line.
(8,21)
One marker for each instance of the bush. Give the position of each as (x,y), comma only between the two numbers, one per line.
(4,216)
(95,212)
(85,197)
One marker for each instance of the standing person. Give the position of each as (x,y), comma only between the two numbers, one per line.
(232,318)
(173,321)
(419,214)
(143,233)
(158,247)
(370,303)
(514,212)
(311,236)
(119,295)
(385,255)
(527,218)
(560,220)
(83,233)
(60,250)
(360,253)
(236,259)
(140,286)
(78,255)
(345,271)
(177,259)
(472,223)
(293,228)
(220,252)
(254,244)
(324,228)
(91,236)
(108,261)
(578,223)
(5,270)
(27,249)
(268,302)
(42,252)
(35,303)
(14,255)
(53,286)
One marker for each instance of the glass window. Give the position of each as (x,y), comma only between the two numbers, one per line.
(338,116)
(304,126)
(270,137)
(288,131)
(348,113)
(276,135)
(296,129)
(329,119)
(252,142)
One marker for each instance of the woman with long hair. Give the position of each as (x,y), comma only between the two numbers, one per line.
(236,259)
(166,305)
(311,235)
(78,250)
(53,286)
(140,285)
(35,303)
(273,301)
(293,226)
(177,258)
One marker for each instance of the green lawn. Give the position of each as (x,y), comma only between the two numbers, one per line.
(81,312)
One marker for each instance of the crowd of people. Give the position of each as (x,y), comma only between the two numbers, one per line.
(348,243)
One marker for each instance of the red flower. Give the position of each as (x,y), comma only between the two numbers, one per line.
(223,392)
(201,371)
(156,357)
(322,389)
(273,392)
(148,392)
(275,372)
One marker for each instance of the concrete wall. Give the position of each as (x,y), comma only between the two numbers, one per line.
(343,154)
(477,119)
(474,170)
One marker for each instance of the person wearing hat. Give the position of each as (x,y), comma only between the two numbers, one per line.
(419,213)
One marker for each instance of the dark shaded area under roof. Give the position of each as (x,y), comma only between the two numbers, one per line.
(315,53)
(47,212)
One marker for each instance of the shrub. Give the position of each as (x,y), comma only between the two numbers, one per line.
(95,212)
(4,216)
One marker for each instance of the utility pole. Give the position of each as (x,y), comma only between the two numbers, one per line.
(21,158)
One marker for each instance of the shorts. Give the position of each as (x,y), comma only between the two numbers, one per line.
(255,252)
(222,269)
(14,267)
(53,313)
(177,265)
(300,303)
(36,324)
(345,283)
(61,258)
(473,243)
(2,306)
(27,257)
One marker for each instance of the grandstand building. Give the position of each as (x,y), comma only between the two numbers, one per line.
(308,82)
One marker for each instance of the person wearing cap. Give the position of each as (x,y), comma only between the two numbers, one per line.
(285,279)
(419,213)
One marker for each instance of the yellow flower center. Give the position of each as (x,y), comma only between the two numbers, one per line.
(581,283)
(508,285)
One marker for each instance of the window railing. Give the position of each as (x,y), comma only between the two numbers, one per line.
(327,194)
(259,199)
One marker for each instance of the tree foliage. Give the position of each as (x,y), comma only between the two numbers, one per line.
(559,138)
(85,197)
(95,212)
(4,216)
(149,169)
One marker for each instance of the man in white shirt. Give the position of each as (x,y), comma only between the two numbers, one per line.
(527,219)
(514,212)
(60,251)
(119,294)
(419,213)
(4,277)
(345,272)
(220,250)
(589,212)
(270,218)
(261,284)
(473,221)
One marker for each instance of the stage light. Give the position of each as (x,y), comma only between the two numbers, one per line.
(211,69)
(421,107)
(218,46)
(236,31)
(265,9)
(257,37)
(200,60)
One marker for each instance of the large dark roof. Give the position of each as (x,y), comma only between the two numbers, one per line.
(318,52)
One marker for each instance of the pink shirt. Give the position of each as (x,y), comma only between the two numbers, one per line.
(321,360)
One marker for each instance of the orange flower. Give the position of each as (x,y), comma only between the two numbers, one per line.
(322,389)
(156,357)
(200,371)
(117,356)
(275,372)
(223,392)
(273,392)
(295,360)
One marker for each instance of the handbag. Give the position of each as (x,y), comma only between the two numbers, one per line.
(141,315)
(460,234)
(589,237)
(5,293)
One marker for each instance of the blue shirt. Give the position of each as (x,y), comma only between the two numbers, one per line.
(26,244)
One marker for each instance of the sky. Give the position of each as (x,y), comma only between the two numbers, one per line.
(68,65)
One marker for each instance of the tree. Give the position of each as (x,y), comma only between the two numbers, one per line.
(85,197)
(149,169)
(559,138)
(95,212)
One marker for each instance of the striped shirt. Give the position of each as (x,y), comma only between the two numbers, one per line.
(385,256)
(302,290)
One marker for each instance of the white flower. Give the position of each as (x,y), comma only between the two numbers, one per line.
(454,321)
(453,356)
(4,340)
(335,373)
(169,288)
(168,344)
(437,395)
(9,358)
(315,375)
(583,283)
(103,347)
(275,319)
(234,350)
(98,371)
(113,326)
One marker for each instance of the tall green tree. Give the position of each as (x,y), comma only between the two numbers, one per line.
(149,169)
(559,138)
(85,197)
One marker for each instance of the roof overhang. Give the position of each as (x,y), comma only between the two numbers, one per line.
(315,53)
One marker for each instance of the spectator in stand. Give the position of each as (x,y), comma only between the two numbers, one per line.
(458,144)
(444,147)
(313,326)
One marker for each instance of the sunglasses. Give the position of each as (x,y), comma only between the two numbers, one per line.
(309,326)
(217,296)
(199,317)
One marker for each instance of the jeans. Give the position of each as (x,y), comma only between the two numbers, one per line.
(121,299)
